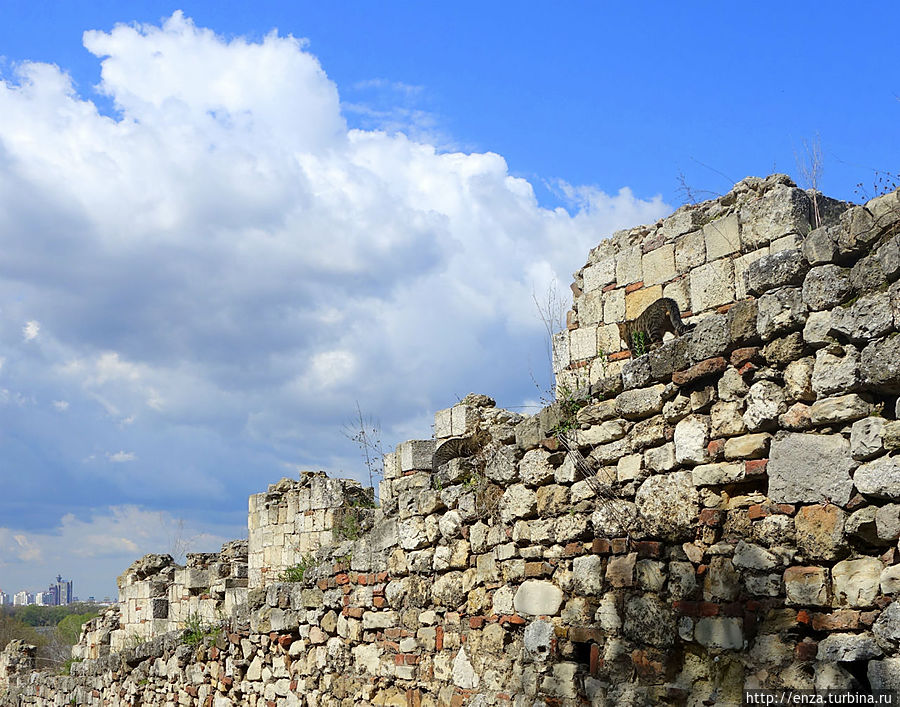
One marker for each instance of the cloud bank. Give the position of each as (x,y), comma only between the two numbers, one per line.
(197,288)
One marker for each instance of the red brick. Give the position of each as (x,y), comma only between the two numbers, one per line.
(710,366)
(741,356)
(596,661)
(716,448)
(755,467)
(707,608)
(712,517)
(342,579)
(648,548)
(618,356)
(806,651)
(600,546)
(619,546)
(686,608)
(573,549)
(634,287)
(747,368)
(476,621)
(844,620)
(439,638)
(285,641)
(610,287)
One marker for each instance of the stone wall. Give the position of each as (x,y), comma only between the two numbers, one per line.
(722,513)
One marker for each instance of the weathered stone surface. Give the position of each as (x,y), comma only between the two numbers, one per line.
(709,338)
(615,518)
(742,321)
(880,364)
(861,524)
(517,501)
(691,437)
(587,575)
(722,582)
(717,474)
(538,639)
(820,532)
(779,352)
(726,419)
(857,230)
(887,627)
(464,675)
(604,433)
(836,370)
(839,409)
(648,619)
(798,380)
(820,246)
(699,370)
(855,582)
(781,211)
(848,647)
(535,468)
(887,523)
(754,557)
(765,402)
(668,505)
(712,285)
(879,478)
(805,468)
(785,268)
(817,330)
(866,319)
(826,286)
(807,586)
(536,597)
(884,674)
(719,633)
(661,458)
(722,237)
(635,404)
(780,312)
(637,373)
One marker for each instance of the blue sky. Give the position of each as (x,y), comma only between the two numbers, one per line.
(214,248)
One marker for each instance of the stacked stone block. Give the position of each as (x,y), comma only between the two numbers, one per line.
(723,514)
(293,519)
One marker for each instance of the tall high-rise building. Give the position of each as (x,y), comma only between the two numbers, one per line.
(5,598)
(63,591)
(23,598)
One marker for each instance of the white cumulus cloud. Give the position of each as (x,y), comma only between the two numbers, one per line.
(234,269)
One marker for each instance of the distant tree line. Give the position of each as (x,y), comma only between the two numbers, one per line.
(53,629)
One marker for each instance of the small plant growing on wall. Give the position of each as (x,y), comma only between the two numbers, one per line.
(297,572)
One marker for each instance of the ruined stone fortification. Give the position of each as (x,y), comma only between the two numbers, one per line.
(719,513)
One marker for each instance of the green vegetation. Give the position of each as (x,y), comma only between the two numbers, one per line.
(296,573)
(640,343)
(196,630)
(350,525)
(34,615)
(66,668)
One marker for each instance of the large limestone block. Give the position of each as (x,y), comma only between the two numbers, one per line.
(599,275)
(741,266)
(628,266)
(583,343)
(712,285)
(659,265)
(781,269)
(880,364)
(820,532)
(587,575)
(779,312)
(807,586)
(879,478)
(691,438)
(826,286)
(415,455)
(648,619)
(668,505)
(806,468)
(836,370)
(839,409)
(855,582)
(536,597)
(643,402)
(781,211)
(722,236)
(690,251)
(866,319)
